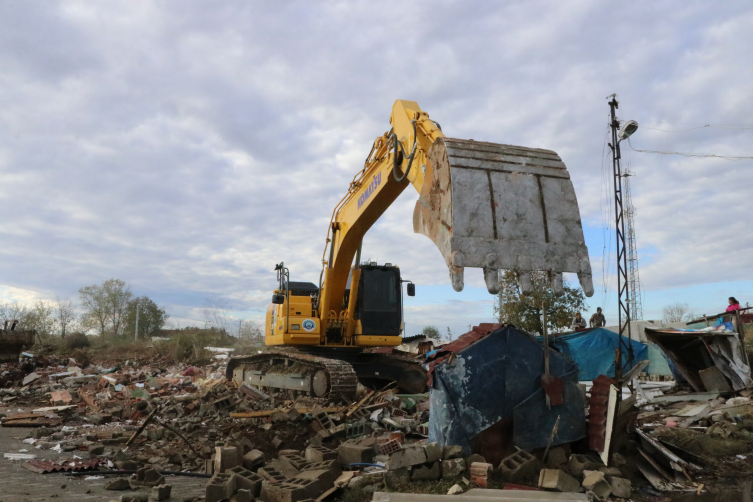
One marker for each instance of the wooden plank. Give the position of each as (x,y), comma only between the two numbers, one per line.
(611,409)
(360,403)
(697,396)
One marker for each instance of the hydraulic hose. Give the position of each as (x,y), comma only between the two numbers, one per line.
(397,145)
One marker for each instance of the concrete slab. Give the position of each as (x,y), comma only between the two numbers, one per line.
(483,496)
(524,494)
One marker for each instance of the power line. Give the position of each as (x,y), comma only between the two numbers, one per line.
(705,126)
(685,154)
(699,126)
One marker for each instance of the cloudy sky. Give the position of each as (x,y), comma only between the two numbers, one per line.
(186,147)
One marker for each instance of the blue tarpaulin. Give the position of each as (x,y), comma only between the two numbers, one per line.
(594,351)
(496,377)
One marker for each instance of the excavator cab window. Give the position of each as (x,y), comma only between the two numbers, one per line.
(379,300)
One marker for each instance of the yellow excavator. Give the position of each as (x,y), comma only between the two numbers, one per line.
(487,205)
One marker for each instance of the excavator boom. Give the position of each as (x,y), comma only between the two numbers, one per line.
(485,205)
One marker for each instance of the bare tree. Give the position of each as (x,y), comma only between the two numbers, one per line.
(65,314)
(40,317)
(94,303)
(675,312)
(13,311)
(105,305)
(250,330)
(118,297)
(215,313)
(449,334)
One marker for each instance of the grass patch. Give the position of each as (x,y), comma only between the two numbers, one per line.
(356,495)
(186,347)
(709,445)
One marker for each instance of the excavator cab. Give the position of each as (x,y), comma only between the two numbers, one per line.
(292,315)
(379,308)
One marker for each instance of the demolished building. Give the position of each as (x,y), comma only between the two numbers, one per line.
(710,360)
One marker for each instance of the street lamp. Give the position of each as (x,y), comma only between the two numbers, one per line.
(623,294)
(627,129)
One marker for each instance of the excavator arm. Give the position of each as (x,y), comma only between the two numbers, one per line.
(397,159)
(486,205)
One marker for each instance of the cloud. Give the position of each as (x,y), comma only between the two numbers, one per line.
(187,148)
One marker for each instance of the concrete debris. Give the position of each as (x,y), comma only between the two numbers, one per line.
(596,483)
(556,479)
(118,484)
(454,490)
(519,466)
(274,446)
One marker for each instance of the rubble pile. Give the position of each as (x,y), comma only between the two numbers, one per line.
(141,426)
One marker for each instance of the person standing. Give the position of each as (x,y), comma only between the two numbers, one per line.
(598,320)
(578,322)
(733,304)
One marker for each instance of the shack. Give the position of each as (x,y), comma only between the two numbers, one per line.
(709,359)
(486,394)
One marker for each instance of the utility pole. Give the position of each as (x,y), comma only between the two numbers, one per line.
(240,324)
(623,294)
(634,280)
(136,335)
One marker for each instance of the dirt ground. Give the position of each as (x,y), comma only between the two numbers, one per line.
(18,484)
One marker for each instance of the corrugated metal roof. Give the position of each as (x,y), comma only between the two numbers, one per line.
(463,341)
(46,466)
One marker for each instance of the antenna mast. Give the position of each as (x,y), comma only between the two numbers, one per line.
(633,277)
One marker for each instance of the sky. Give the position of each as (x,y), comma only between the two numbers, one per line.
(188,147)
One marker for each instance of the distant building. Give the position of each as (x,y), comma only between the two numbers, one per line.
(417,344)
(168,333)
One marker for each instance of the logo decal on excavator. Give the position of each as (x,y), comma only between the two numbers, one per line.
(375,182)
(308,325)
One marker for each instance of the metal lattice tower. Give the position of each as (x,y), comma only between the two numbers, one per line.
(623,293)
(633,277)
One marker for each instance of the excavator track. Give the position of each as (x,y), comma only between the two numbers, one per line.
(328,372)
(291,370)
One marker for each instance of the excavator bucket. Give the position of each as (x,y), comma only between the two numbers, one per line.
(502,207)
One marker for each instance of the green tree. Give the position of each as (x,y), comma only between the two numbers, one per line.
(524,312)
(105,306)
(151,317)
(431,332)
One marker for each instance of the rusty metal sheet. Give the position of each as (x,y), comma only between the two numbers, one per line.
(597,412)
(463,341)
(13,342)
(46,466)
